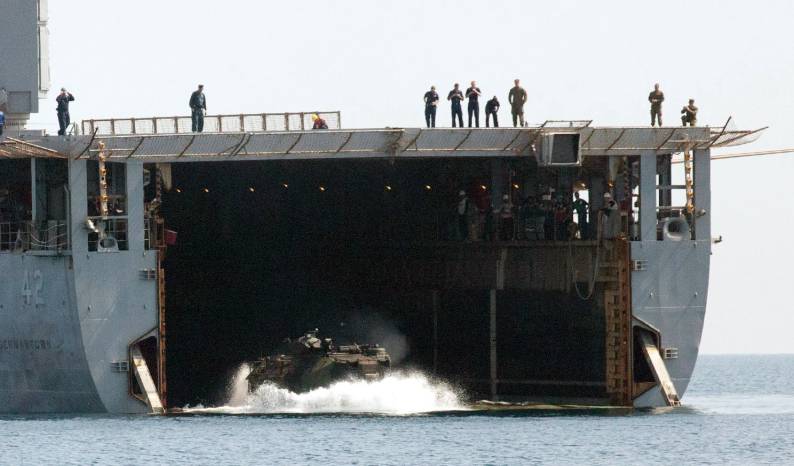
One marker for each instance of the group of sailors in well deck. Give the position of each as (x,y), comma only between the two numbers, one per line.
(517,97)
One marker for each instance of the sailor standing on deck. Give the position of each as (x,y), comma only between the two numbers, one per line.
(517,98)
(431,103)
(456,96)
(63,100)
(198,107)
(473,93)
(656,97)
(2,121)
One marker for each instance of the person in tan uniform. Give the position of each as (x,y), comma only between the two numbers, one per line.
(656,97)
(517,98)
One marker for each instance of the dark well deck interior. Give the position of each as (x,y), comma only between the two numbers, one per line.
(256,261)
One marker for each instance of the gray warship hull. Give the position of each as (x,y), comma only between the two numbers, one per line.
(74,315)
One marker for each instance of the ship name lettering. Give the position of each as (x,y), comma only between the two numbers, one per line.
(25,344)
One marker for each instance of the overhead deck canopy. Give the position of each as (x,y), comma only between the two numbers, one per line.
(388,143)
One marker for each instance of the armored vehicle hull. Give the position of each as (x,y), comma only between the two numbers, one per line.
(309,363)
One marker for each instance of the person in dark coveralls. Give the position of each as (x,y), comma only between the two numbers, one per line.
(63,100)
(473,94)
(580,207)
(689,114)
(463,215)
(506,224)
(517,98)
(198,107)
(491,107)
(431,103)
(656,97)
(456,96)
(2,121)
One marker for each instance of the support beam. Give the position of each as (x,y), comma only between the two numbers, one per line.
(145,381)
(648,195)
(494,380)
(435,331)
(702,178)
(134,185)
(78,206)
(655,361)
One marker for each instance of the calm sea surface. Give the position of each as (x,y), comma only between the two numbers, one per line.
(739,410)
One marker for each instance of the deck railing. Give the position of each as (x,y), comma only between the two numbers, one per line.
(27,236)
(241,123)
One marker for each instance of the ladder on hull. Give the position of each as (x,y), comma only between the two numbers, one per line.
(651,352)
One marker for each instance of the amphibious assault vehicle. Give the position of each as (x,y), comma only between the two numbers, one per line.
(310,362)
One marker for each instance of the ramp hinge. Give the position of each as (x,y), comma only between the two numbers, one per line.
(639,265)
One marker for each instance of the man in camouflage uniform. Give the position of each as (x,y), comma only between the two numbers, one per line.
(656,97)
(517,98)
(689,114)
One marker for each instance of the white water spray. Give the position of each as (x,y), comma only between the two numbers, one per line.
(238,387)
(398,393)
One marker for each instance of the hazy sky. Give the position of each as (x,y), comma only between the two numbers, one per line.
(374,59)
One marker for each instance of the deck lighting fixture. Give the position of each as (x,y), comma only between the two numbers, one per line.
(251,189)
(483,187)
(322,188)
(178,190)
(388,188)
(285,185)
(515,186)
(428,187)
(206,190)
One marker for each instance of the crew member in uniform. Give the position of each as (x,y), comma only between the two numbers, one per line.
(319,123)
(580,207)
(473,93)
(517,98)
(656,97)
(431,103)
(456,96)
(63,100)
(198,107)
(689,114)
(491,107)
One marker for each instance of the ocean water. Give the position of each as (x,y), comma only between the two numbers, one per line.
(739,410)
